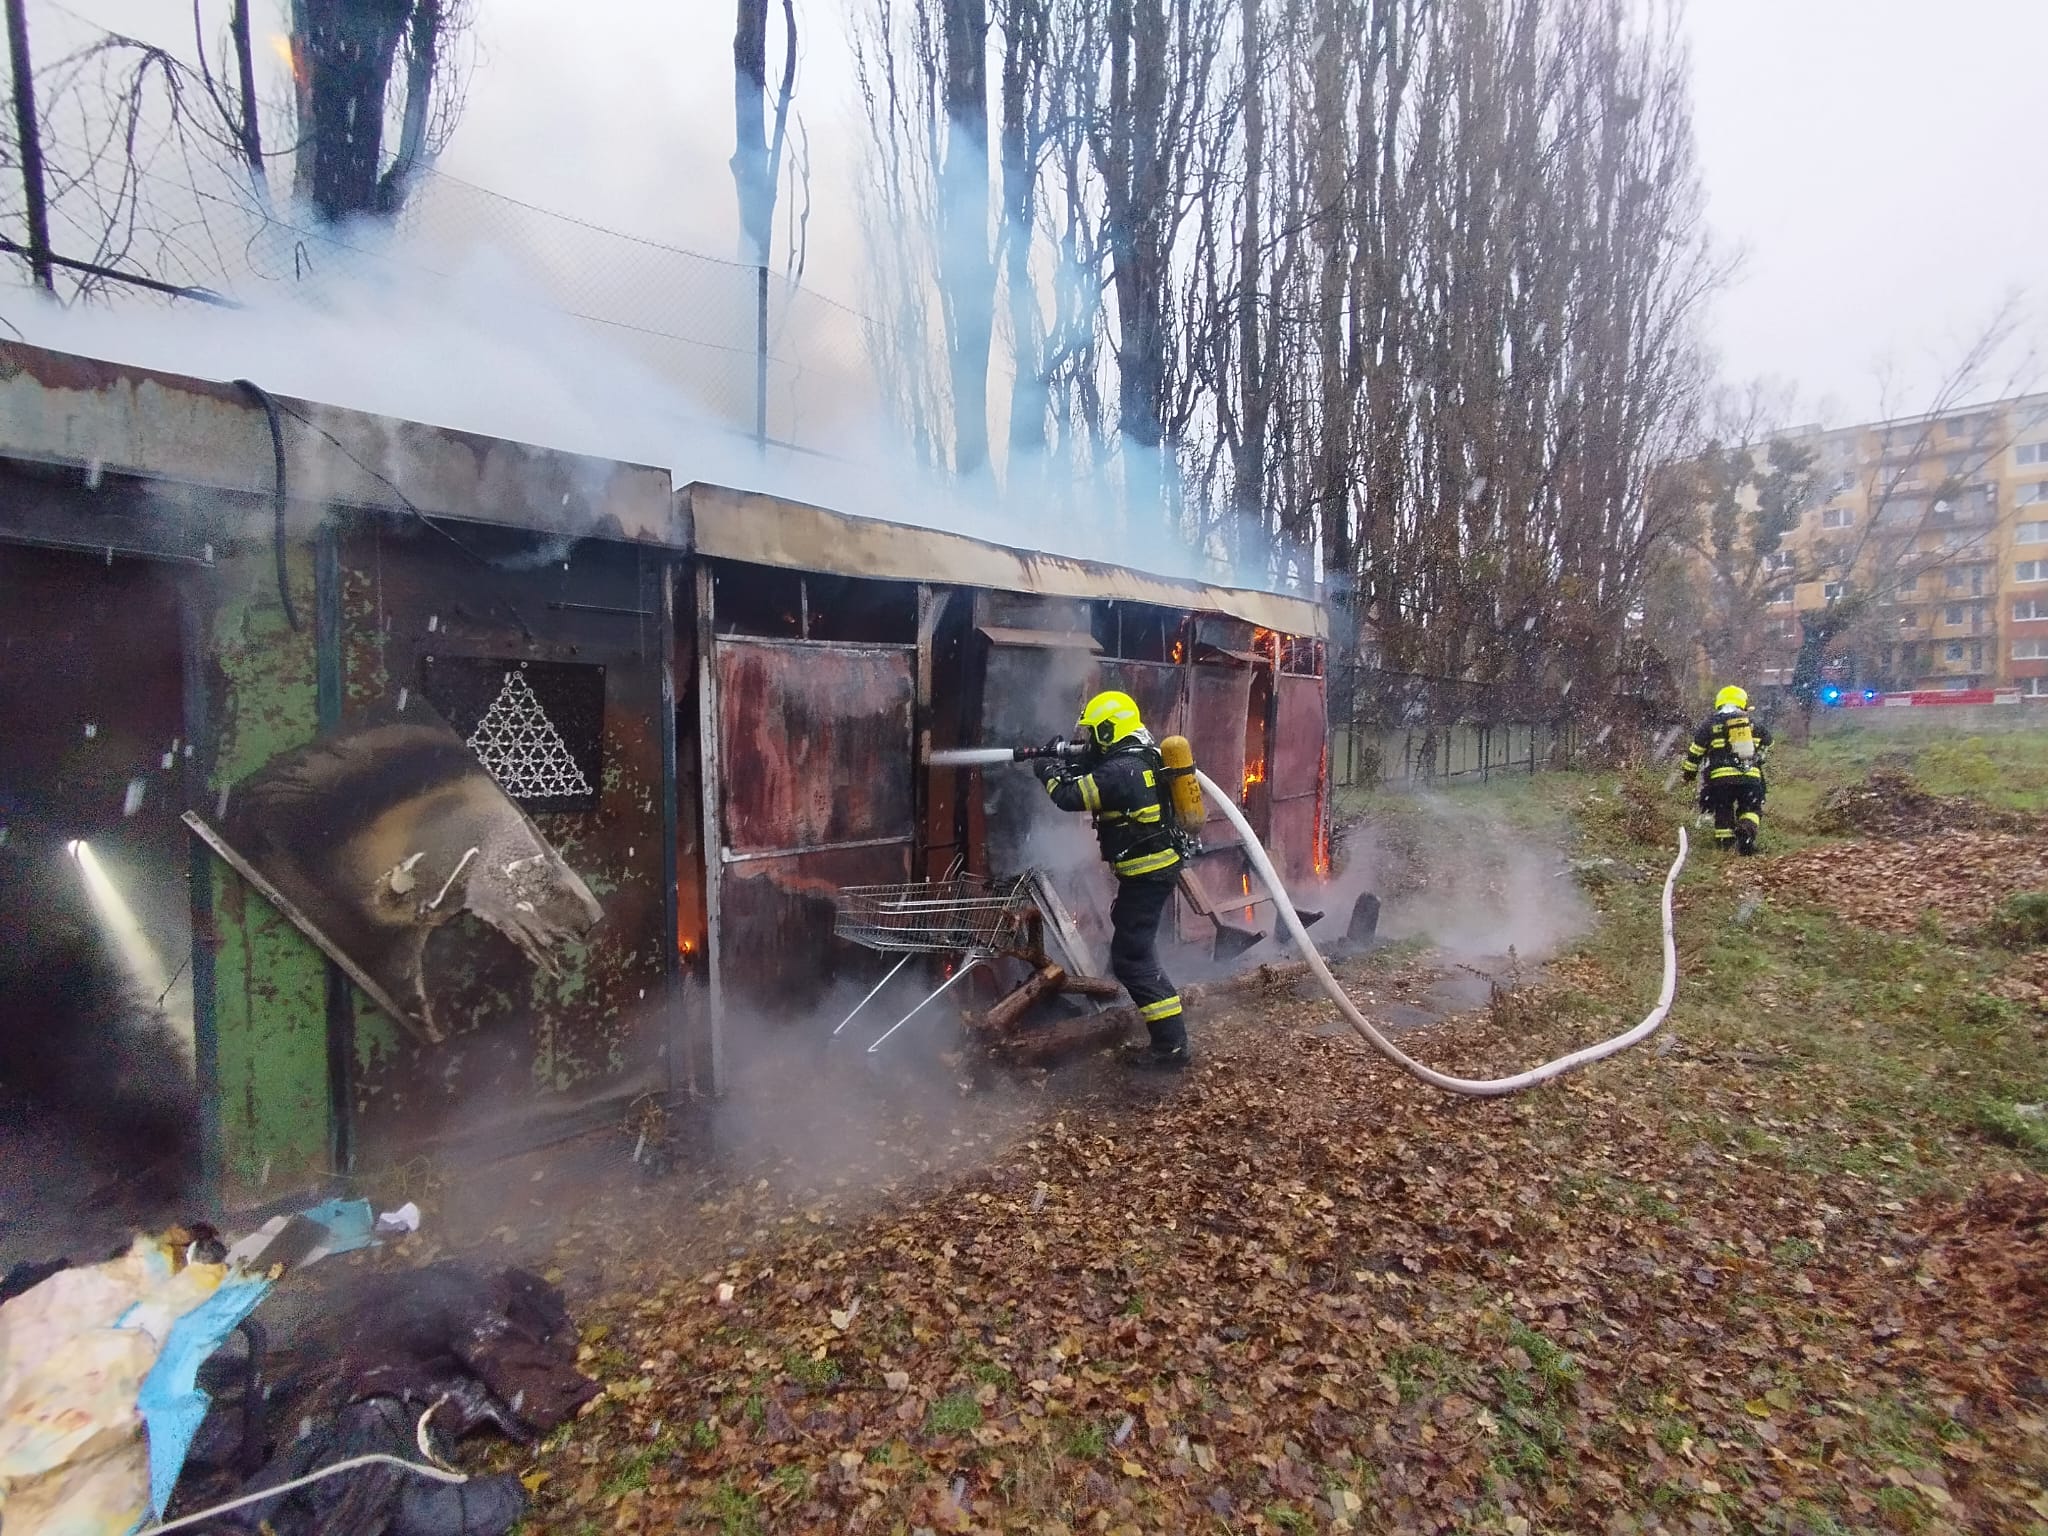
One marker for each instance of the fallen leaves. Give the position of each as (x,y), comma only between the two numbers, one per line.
(1954,880)
(1295,1291)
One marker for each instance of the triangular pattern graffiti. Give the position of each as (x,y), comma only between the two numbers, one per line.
(519,745)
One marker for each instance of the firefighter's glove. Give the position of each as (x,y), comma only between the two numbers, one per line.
(1047,769)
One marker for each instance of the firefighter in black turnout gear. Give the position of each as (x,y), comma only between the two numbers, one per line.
(1731,747)
(1120,782)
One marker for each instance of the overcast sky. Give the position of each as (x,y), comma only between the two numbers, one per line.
(1876,162)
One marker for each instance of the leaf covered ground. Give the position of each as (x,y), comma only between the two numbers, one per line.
(1778,1270)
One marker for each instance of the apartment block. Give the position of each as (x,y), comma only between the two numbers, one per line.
(1942,523)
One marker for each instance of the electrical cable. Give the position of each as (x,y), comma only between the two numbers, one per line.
(432,1467)
(261,396)
(1490,1087)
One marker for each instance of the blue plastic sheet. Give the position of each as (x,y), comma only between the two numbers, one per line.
(349,1224)
(170,1400)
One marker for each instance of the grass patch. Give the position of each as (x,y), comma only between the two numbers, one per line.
(2024,1126)
(957,1413)
(1085,1442)
(810,1370)
(2021,921)
(735,1511)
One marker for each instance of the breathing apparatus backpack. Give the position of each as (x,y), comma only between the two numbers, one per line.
(1183,798)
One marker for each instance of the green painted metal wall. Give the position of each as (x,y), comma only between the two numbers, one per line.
(268,1000)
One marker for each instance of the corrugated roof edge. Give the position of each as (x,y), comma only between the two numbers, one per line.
(731,524)
(111,417)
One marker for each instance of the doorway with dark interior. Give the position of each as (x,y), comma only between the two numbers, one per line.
(99,1120)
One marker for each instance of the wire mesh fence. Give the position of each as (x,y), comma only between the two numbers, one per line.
(150,200)
(1394,728)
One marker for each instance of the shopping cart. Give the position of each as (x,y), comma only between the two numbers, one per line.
(976,920)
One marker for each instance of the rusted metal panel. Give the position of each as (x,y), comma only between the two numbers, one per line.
(1050,639)
(815,742)
(1294,841)
(1299,737)
(1159,688)
(1218,700)
(531,1050)
(118,419)
(1295,776)
(767,530)
(778,958)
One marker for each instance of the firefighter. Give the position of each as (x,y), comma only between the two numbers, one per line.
(1118,781)
(1732,747)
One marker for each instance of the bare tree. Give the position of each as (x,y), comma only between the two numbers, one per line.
(758,147)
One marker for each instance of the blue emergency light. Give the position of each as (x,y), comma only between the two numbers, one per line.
(1831,695)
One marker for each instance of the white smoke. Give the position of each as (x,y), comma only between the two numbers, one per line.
(478,346)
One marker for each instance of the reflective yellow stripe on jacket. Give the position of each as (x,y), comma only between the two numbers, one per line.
(1148,863)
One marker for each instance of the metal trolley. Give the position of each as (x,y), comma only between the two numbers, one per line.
(965,915)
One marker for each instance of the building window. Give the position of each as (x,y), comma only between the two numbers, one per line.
(2030,650)
(1976,654)
(1781,559)
(2030,570)
(2028,608)
(2033,493)
(1833,590)
(1960,427)
(1909,621)
(1953,614)
(2031,533)
(1780,597)
(1958,577)
(2031,453)
(1954,652)
(2034,687)
(1837,517)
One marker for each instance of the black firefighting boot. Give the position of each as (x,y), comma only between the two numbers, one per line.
(1165,1051)
(1746,828)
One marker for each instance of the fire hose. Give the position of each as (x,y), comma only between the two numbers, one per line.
(1472,1087)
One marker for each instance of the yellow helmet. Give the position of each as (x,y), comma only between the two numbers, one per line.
(1731,697)
(1109,718)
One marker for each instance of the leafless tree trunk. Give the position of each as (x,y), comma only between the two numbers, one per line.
(757,155)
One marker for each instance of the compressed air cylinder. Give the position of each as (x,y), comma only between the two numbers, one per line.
(1182,790)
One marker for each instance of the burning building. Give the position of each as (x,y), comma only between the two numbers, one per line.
(666,723)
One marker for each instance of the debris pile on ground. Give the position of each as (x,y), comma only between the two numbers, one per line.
(1984,1272)
(468,1347)
(1892,803)
(1954,879)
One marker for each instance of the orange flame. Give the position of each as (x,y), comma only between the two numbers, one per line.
(1180,651)
(1244,884)
(287,49)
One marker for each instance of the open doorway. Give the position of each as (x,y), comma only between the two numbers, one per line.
(98,1112)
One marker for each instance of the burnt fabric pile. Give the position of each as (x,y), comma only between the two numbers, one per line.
(479,1348)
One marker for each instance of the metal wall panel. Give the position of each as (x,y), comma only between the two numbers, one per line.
(1295,775)
(815,740)
(814,754)
(1219,698)
(1159,688)
(537,1053)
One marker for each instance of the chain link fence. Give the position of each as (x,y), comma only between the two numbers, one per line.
(1398,728)
(149,201)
